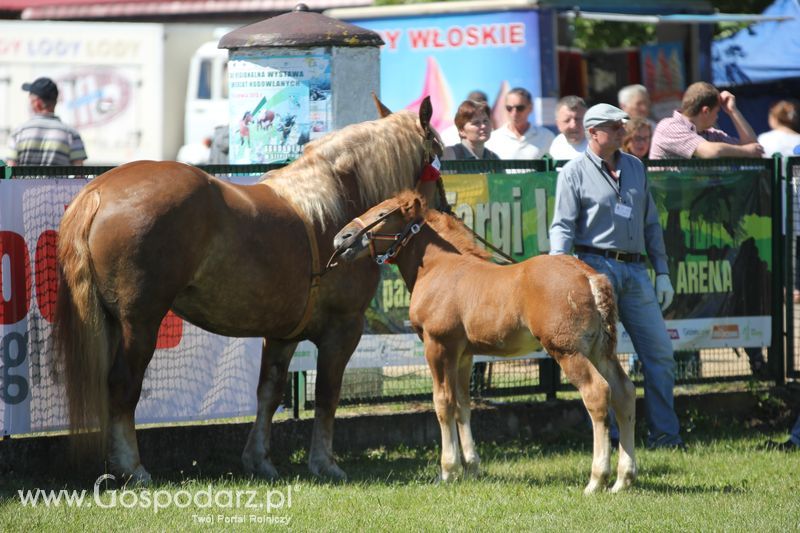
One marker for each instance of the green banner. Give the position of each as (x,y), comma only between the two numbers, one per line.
(718,233)
(717,230)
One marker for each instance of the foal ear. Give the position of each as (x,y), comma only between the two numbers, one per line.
(383,111)
(419,205)
(425,114)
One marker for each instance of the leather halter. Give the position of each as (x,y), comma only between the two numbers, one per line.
(399,240)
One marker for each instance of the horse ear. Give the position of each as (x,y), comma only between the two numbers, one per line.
(425,113)
(383,111)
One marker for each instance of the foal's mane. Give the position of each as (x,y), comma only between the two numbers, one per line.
(377,158)
(450,228)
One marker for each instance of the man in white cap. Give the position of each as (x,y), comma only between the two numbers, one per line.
(604,212)
(44,139)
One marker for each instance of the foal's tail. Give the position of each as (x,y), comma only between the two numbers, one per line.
(82,330)
(606,305)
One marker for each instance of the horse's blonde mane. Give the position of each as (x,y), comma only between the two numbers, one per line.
(378,158)
(449,228)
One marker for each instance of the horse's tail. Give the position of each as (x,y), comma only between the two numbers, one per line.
(606,306)
(82,330)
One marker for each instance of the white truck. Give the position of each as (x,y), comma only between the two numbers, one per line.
(133,90)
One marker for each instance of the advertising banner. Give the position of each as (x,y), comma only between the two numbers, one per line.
(277,103)
(663,70)
(717,232)
(447,56)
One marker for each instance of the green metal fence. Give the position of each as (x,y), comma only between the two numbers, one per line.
(526,377)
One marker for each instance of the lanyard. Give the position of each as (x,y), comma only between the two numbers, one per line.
(611,181)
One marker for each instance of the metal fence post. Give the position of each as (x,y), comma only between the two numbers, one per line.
(549,377)
(296,395)
(780,301)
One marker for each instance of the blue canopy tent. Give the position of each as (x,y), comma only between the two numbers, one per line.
(760,64)
(764,52)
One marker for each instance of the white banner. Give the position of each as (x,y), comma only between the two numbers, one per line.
(194,375)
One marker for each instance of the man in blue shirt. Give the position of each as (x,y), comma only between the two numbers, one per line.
(605,213)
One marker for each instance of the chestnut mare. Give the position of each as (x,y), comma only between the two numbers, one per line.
(462,304)
(235,260)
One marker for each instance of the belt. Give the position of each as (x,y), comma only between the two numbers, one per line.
(625,257)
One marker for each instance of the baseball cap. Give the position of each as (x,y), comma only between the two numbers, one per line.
(44,88)
(597,114)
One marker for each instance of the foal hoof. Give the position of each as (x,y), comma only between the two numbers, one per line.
(595,485)
(330,471)
(472,470)
(622,483)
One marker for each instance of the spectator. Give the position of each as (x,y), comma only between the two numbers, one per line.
(792,444)
(571,140)
(218,153)
(635,101)
(44,139)
(518,138)
(474,128)
(784,135)
(638,134)
(784,119)
(450,135)
(610,223)
(689,132)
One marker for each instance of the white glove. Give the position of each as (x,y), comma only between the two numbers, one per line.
(664,290)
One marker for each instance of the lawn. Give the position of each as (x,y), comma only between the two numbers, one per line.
(724,482)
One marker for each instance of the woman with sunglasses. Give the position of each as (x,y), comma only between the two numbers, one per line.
(518,138)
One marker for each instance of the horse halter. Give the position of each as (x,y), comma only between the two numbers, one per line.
(399,240)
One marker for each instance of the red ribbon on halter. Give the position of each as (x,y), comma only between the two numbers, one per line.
(429,173)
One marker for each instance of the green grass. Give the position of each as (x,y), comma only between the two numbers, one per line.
(724,482)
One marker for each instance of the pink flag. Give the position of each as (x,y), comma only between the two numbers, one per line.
(436,87)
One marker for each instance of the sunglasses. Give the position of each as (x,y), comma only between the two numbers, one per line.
(520,108)
(611,126)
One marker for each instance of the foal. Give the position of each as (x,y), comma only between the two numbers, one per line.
(462,304)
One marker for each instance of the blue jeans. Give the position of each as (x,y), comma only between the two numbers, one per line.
(795,436)
(641,315)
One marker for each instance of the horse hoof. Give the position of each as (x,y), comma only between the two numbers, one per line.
(262,469)
(139,477)
(329,471)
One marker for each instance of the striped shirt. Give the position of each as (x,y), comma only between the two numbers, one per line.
(586,211)
(676,137)
(45,140)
